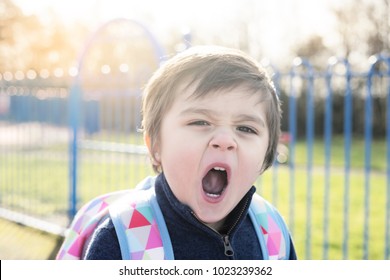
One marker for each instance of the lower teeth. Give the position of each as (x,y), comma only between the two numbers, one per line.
(213,195)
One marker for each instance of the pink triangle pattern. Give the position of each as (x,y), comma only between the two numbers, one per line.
(270,230)
(272,225)
(273,243)
(154,240)
(137,255)
(143,235)
(138,220)
(76,247)
(103,205)
(274,237)
(83,224)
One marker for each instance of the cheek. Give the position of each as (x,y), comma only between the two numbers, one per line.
(252,169)
(181,162)
(254,160)
(179,166)
(177,154)
(178,148)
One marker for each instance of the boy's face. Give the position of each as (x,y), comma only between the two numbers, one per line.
(212,149)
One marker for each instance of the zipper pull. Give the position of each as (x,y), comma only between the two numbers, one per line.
(228,248)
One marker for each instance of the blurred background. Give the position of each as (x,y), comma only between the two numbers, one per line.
(71,78)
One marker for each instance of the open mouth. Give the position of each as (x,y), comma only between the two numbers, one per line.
(215,182)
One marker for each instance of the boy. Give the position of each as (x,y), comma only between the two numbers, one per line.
(211,122)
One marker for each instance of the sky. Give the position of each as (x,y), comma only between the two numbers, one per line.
(283,22)
(171,10)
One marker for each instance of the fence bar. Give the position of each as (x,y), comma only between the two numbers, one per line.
(348,115)
(292,105)
(328,118)
(367,158)
(387,216)
(74,117)
(310,140)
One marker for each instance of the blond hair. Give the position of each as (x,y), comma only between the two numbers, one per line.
(210,69)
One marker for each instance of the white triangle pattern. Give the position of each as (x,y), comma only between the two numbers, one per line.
(138,238)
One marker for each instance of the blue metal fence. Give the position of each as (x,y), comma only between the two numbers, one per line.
(63,141)
(311,77)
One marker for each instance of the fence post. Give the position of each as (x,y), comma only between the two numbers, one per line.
(309,76)
(328,119)
(310,139)
(387,216)
(292,124)
(74,116)
(367,154)
(348,114)
(368,131)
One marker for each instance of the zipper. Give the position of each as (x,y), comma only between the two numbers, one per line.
(229,252)
(239,217)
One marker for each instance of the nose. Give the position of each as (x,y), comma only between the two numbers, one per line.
(223,141)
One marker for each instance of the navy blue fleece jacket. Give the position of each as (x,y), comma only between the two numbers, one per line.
(190,238)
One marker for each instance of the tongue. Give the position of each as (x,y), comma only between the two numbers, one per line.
(214,182)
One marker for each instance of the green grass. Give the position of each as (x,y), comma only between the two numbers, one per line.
(37,181)
(357,157)
(302,213)
(18,242)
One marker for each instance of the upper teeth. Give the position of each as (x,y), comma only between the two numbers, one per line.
(219,168)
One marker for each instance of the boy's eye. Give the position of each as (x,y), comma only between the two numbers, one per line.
(199,123)
(246,129)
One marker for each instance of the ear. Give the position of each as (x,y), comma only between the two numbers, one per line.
(147,142)
(152,150)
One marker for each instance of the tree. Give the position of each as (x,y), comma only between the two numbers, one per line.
(362,30)
(26,43)
(15,34)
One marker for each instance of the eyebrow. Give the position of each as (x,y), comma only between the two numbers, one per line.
(211,114)
(251,118)
(197,111)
